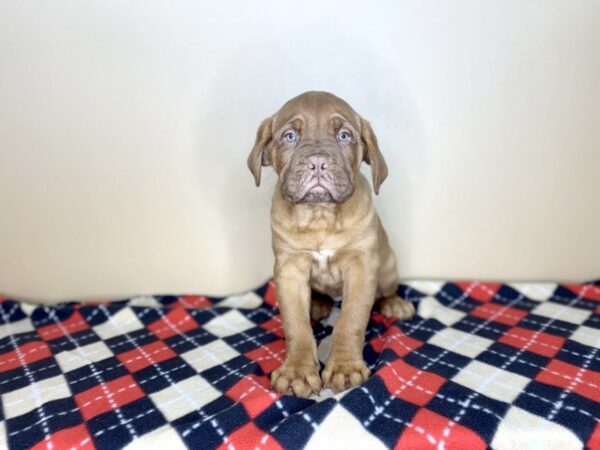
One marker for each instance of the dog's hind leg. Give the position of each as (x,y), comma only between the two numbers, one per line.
(389,303)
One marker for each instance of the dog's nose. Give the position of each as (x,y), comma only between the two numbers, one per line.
(317,164)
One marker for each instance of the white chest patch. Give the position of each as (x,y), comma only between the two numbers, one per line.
(322,257)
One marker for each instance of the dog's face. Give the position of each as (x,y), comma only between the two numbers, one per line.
(316,143)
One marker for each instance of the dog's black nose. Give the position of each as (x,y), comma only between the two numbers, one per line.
(317,164)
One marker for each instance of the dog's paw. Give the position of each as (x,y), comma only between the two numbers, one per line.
(320,308)
(395,307)
(342,374)
(296,379)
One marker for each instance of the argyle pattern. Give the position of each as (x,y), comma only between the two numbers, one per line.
(482,365)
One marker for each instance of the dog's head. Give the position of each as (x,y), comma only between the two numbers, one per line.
(316,143)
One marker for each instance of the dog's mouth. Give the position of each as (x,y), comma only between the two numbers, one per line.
(307,188)
(318,193)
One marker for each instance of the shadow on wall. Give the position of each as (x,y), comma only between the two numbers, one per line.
(368,81)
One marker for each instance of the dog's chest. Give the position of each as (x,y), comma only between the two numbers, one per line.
(321,258)
(325,275)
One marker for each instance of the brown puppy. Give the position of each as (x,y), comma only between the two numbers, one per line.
(326,236)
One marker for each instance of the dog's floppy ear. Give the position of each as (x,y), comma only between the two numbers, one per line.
(372,155)
(259,156)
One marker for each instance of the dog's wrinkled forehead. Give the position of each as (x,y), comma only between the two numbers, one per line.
(316,109)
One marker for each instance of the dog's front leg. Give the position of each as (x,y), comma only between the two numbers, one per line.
(299,374)
(346,367)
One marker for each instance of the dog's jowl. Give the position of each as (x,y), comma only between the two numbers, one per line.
(327,237)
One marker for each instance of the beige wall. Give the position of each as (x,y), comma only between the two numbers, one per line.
(124,129)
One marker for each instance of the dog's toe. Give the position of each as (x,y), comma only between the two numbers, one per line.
(340,375)
(395,307)
(300,380)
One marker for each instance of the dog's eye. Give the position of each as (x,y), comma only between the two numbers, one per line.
(290,137)
(344,136)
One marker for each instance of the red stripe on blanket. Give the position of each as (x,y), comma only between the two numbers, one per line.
(174,322)
(72,438)
(71,325)
(499,313)
(249,436)
(108,396)
(577,379)
(408,383)
(587,291)
(483,292)
(430,430)
(534,341)
(23,355)
(141,357)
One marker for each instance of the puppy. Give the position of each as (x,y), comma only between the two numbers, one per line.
(327,237)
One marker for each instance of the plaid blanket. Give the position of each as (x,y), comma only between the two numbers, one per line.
(506,366)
